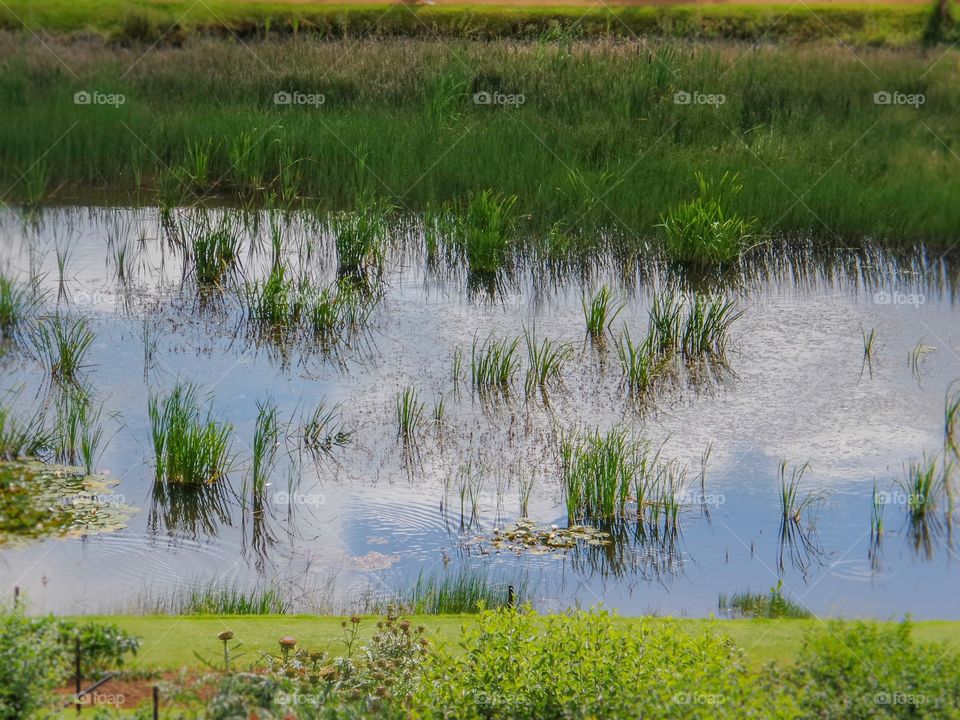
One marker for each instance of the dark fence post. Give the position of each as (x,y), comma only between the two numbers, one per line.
(156,703)
(79,679)
(510,596)
(16,596)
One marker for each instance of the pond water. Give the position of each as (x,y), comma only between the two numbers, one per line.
(369,517)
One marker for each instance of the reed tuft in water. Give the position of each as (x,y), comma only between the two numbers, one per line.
(493,365)
(189,447)
(409,415)
(599,313)
(62,345)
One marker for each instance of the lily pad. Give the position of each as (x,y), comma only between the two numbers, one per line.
(39,500)
(526,536)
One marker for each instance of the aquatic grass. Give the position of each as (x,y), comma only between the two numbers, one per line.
(869,349)
(924,487)
(61,345)
(877,506)
(324,430)
(641,366)
(35,182)
(214,256)
(665,322)
(702,232)
(917,356)
(79,430)
(18,303)
(772,606)
(598,472)
(951,419)
(409,415)
(461,592)
(493,365)
(216,597)
(189,447)
(266,442)
(545,364)
(600,312)
(361,237)
(792,503)
(706,328)
(276,303)
(19,438)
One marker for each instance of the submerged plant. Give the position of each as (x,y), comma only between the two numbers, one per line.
(599,314)
(702,232)
(189,447)
(62,346)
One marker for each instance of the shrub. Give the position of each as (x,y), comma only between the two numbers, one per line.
(30,663)
(861,670)
(516,664)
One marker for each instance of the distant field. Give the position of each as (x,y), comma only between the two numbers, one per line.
(869,22)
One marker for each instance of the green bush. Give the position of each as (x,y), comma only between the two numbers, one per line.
(857,671)
(516,664)
(31,663)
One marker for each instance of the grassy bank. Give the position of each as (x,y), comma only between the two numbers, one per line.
(173,21)
(170,642)
(589,136)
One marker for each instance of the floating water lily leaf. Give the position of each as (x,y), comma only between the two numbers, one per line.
(526,536)
(39,500)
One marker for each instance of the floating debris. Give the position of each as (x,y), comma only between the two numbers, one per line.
(39,500)
(375,561)
(527,536)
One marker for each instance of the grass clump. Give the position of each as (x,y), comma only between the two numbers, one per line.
(702,233)
(266,442)
(62,345)
(409,415)
(23,438)
(17,305)
(361,239)
(598,473)
(545,364)
(599,313)
(190,448)
(924,486)
(465,591)
(218,598)
(493,365)
(214,256)
(792,503)
(772,605)
(324,429)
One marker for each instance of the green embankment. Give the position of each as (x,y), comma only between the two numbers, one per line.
(170,642)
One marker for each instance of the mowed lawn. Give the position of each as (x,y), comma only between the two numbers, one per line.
(174,642)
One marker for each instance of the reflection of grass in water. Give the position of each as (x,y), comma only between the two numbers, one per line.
(79,430)
(214,256)
(193,510)
(324,430)
(792,503)
(772,605)
(266,442)
(217,598)
(951,419)
(189,448)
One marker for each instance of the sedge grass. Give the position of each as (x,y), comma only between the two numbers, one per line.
(461,592)
(772,606)
(546,361)
(190,447)
(18,302)
(410,411)
(793,503)
(62,345)
(493,365)
(214,256)
(324,430)
(599,313)
(951,419)
(598,473)
(216,598)
(924,487)
(23,438)
(266,443)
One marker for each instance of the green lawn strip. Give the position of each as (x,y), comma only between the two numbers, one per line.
(169,642)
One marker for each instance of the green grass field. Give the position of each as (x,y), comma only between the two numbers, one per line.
(170,642)
(171,21)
